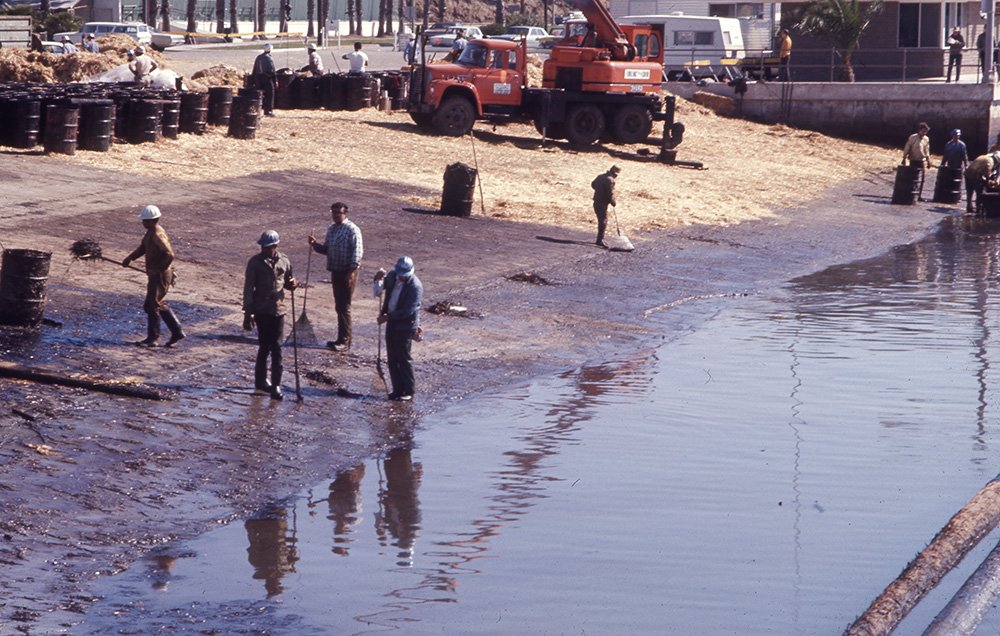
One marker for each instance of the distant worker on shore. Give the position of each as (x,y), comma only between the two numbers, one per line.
(142,66)
(344,249)
(955,155)
(784,55)
(90,44)
(976,175)
(604,195)
(68,46)
(264,77)
(268,275)
(410,50)
(315,65)
(400,313)
(956,44)
(917,152)
(155,246)
(458,45)
(357,58)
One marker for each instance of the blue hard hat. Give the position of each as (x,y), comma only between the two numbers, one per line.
(404,266)
(957,132)
(268,238)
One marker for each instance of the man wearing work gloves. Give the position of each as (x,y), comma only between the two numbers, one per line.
(344,249)
(155,246)
(604,195)
(268,275)
(315,65)
(401,316)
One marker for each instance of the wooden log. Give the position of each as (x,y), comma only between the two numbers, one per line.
(963,613)
(33,374)
(966,529)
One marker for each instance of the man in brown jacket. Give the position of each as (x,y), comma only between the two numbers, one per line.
(155,246)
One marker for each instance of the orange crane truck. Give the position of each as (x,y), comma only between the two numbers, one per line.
(596,85)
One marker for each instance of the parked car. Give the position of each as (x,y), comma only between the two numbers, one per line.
(53,47)
(444,37)
(160,40)
(138,31)
(534,35)
(554,36)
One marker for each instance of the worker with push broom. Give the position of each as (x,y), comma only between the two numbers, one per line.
(155,246)
(604,195)
(344,249)
(268,274)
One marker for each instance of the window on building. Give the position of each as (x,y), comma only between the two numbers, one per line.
(919,25)
(694,38)
(737,10)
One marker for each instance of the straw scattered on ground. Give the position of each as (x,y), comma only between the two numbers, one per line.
(751,168)
(22,65)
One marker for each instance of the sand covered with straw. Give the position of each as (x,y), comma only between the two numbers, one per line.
(21,65)
(752,169)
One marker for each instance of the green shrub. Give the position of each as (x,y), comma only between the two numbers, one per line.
(493,29)
(61,22)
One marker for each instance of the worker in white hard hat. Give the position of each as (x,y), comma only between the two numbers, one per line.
(155,246)
(264,77)
(400,313)
(315,65)
(268,275)
(68,46)
(142,66)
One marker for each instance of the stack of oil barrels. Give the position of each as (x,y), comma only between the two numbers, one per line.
(64,117)
(337,91)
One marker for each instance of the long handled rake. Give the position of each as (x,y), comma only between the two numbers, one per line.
(295,353)
(90,250)
(378,357)
(306,334)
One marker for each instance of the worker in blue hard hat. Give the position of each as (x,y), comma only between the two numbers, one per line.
(955,155)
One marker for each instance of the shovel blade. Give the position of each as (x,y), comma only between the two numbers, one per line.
(619,243)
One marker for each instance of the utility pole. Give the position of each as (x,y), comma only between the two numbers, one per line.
(989,7)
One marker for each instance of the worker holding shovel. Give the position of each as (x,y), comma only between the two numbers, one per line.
(401,316)
(604,195)
(155,246)
(268,274)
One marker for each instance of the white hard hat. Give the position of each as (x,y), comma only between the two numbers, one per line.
(268,238)
(311,46)
(267,47)
(404,266)
(149,213)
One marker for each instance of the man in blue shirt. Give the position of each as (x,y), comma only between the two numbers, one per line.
(401,316)
(344,249)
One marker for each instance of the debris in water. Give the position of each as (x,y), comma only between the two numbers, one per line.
(42,449)
(322,377)
(529,277)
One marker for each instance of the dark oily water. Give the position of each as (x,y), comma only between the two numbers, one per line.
(768,473)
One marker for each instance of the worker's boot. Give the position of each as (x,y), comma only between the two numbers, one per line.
(176,333)
(276,383)
(260,383)
(152,331)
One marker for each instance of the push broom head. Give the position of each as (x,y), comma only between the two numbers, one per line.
(86,249)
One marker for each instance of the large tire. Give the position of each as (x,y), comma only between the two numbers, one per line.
(584,124)
(454,116)
(554,131)
(631,124)
(422,119)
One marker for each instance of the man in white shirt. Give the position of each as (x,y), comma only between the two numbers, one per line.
(357,58)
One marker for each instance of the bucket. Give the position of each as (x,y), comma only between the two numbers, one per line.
(97,124)
(459,190)
(22,286)
(948,185)
(61,123)
(907,186)
(144,120)
(194,113)
(220,103)
(171,117)
(244,118)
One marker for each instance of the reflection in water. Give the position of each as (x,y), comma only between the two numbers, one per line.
(272,551)
(399,507)
(345,505)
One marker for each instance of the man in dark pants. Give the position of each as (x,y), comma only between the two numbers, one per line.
(401,316)
(956,43)
(604,195)
(155,246)
(344,249)
(264,78)
(268,274)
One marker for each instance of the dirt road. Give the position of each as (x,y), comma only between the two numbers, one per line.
(89,482)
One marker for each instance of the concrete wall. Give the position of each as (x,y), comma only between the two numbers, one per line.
(878,112)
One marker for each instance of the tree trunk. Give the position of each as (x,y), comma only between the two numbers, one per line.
(192,7)
(154,10)
(45,6)
(427,10)
(234,18)
(402,18)
(441,10)
(165,13)
(310,15)
(220,16)
(282,20)
(359,12)
(847,72)
(323,17)
(499,16)
(261,16)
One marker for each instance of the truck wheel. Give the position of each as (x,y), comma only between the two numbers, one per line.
(454,117)
(631,124)
(584,124)
(555,130)
(422,119)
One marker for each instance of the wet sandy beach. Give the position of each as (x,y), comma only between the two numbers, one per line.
(125,475)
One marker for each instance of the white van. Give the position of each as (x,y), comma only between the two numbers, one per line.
(694,46)
(138,31)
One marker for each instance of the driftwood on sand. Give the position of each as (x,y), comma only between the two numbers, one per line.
(34,374)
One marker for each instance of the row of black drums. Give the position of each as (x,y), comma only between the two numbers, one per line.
(65,117)
(337,91)
(907,186)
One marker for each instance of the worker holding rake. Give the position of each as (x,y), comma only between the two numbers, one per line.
(155,246)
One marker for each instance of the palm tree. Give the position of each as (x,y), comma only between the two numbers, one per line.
(220,15)
(841,23)
(310,9)
(192,6)
(165,14)
(233,18)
